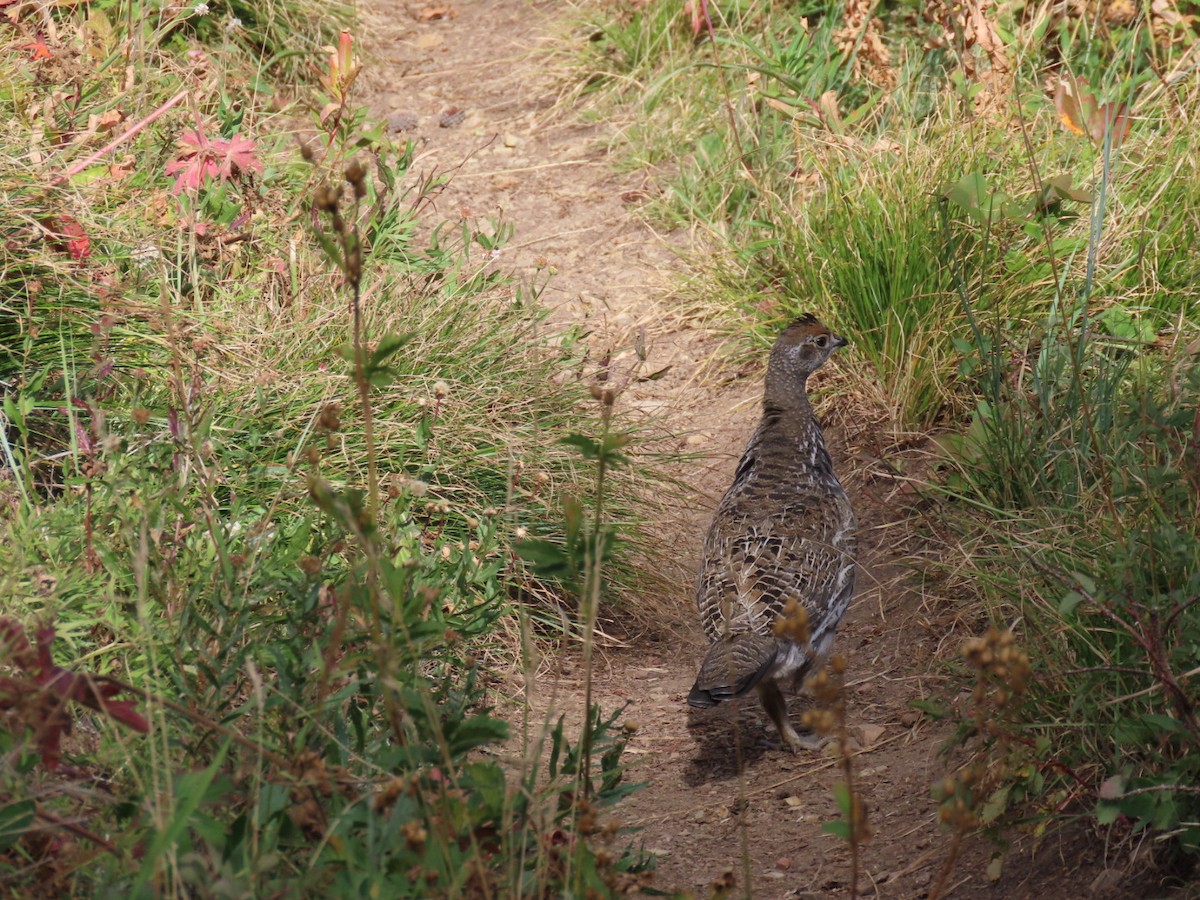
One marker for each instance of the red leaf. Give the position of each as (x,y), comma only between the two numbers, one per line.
(51,687)
(79,245)
(68,236)
(698,10)
(39,50)
(202,157)
(1075,105)
(1080,112)
(15,645)
(1110,115)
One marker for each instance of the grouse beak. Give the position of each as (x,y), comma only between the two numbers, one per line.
(838,341)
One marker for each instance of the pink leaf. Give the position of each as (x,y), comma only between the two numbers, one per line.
(1113,788)
(202,157)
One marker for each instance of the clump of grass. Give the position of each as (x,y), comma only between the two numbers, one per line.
(1095,553)
(1081,460)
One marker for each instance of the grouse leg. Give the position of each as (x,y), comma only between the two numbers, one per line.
(776,707)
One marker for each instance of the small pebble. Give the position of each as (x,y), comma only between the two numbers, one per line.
(452,118)
(402,121)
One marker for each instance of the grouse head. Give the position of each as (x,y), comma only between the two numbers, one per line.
(800,350)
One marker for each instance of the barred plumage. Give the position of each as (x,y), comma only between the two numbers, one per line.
(783,531)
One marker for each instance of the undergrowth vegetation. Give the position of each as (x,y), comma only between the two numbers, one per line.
(271,442)
(998,205)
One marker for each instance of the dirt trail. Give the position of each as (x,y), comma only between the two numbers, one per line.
(517,151)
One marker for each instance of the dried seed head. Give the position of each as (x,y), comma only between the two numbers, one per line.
(326,197)
(354,261)
(385,798)
(414,835)
(356,176)
(793,623)
(822,721)
(329,418)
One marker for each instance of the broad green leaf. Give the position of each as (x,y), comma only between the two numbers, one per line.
(995,805)
(588,447)
(388,346)
(1067,605)
(838,828)
(15,819)
(841,795)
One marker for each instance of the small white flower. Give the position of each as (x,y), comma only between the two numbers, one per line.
(233,24)
(200,9)
(144,256)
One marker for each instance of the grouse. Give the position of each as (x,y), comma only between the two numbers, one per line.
(782,537)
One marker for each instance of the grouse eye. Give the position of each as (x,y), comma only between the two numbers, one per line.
(822,340)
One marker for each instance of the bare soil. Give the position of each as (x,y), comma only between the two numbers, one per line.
(719,788)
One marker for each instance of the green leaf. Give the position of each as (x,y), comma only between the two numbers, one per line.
(547,558)
(573,518)
(1086,582)
(15,819)
(654,376)
(557,741)
(1067,605)
(838,828)
(463,737)
(841,795)
(1060,186)
(588,447)
(995,868)
(930,708)
(297,543)
(995,805)
(1121,323)
(968,192)
(190,789)
(424,433)
(388,346)
(615,441)
(332,251)
(1107,813)
(1162,723)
